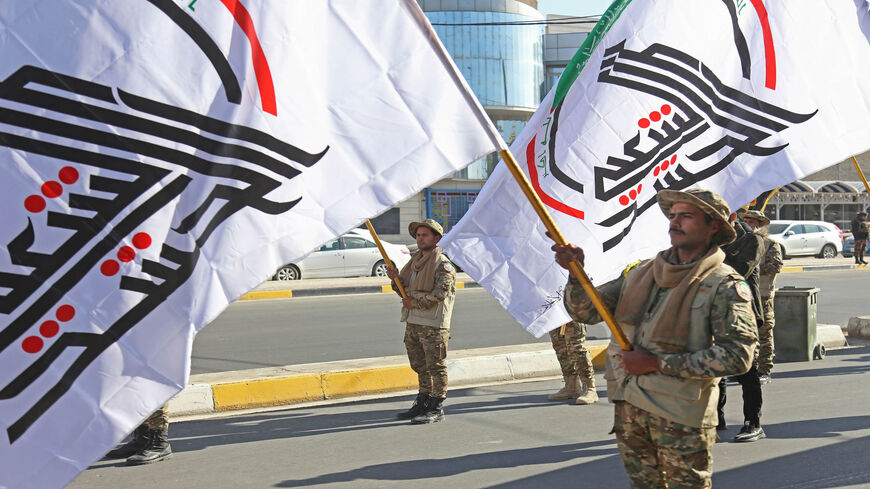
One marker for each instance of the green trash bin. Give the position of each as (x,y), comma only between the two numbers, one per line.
(794,333)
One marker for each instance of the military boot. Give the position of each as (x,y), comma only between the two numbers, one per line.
(416,408)
(433,411)
(157,449)
(571,390)
(139,441)
(590,396)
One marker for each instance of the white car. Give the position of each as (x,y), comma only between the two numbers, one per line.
(354,254)
(818,238)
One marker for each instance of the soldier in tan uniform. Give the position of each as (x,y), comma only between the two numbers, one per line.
(150,442)
(770,265)
(689,318)
(429,279)
(576,364)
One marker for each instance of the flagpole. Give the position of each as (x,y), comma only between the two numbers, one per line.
(576,270)
(861,174)
(387,260)
(764,204)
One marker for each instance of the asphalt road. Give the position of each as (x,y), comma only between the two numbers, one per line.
(509,437)
(276,332)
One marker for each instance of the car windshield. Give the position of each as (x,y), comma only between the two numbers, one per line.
(777,228)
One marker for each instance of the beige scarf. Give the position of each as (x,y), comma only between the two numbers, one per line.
(671,331)
(424,265)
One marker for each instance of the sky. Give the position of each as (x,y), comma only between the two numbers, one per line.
(573,7)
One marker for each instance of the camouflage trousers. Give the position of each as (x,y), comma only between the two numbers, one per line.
(658,453)
(427,354)
(159,420)
(765,338)
(574,358)
(860,245)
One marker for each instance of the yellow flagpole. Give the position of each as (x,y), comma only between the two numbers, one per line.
(576,270)
(768,198)
(861,174)
(387,260)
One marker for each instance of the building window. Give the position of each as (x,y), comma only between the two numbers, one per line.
(448,206)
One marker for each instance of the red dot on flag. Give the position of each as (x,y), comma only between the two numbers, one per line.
(632,194)
(34,203)
(665,164)
(656,171)
(623,200)
(673,159)
(643,123)
(655,116)
(126,254)
(49,329)
(142,240)
(639,186)
(666,109)
(109,268)
(32,344)
(52,189)
(65,313)
(68,175)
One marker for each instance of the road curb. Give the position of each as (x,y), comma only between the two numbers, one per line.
(286,386)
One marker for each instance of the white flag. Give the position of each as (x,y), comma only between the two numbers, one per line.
(737,97)
(163,157)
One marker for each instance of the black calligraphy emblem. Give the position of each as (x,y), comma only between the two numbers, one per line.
(125,149)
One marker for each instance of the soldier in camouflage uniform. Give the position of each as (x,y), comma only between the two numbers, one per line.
(770,265)
(861,232)
(689,318)
(150,441)
(429,279)
(576,364)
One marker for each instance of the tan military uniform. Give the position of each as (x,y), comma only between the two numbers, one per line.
(770,265)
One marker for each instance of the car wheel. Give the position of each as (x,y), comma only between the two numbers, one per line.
(828,251)
(782,251)
(380,269)
(287,272)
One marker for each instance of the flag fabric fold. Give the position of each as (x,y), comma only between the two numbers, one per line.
(736,97)
(161,158)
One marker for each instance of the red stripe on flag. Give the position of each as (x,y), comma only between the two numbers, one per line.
(769,53)
(261,66)
(533,175)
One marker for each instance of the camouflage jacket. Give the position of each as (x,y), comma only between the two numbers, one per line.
(744,254)
(432,308)
(771,264)
(722,341)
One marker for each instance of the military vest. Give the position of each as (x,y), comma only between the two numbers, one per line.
(688,401)
(438,316)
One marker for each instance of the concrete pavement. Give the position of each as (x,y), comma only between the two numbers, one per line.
(324,382)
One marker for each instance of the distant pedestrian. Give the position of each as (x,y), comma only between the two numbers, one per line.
(860,231)
(689,319)
(768,268)
(150,442)
(576,364)
(429,279)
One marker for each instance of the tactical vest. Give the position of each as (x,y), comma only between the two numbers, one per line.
(438,316)
(689,401)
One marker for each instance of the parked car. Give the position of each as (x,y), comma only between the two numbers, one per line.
(849,247)
(818,238)
(354,254)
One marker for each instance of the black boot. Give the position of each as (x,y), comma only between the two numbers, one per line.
(416,409)
(139,441)
(433,413)
(751,431)
(157,449)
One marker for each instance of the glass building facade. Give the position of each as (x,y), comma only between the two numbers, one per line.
(503,64)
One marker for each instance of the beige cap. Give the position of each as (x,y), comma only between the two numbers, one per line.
(711,203)
(429,223)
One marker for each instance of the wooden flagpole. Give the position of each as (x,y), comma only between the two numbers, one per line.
(387,260)
(576,270)
(861,174)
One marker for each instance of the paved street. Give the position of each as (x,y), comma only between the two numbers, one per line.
(509,436)
(253,334)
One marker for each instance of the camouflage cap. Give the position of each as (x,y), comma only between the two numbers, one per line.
(429,223)
(711,203)
(758,215)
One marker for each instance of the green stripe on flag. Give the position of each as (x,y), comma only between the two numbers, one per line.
(572,71)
